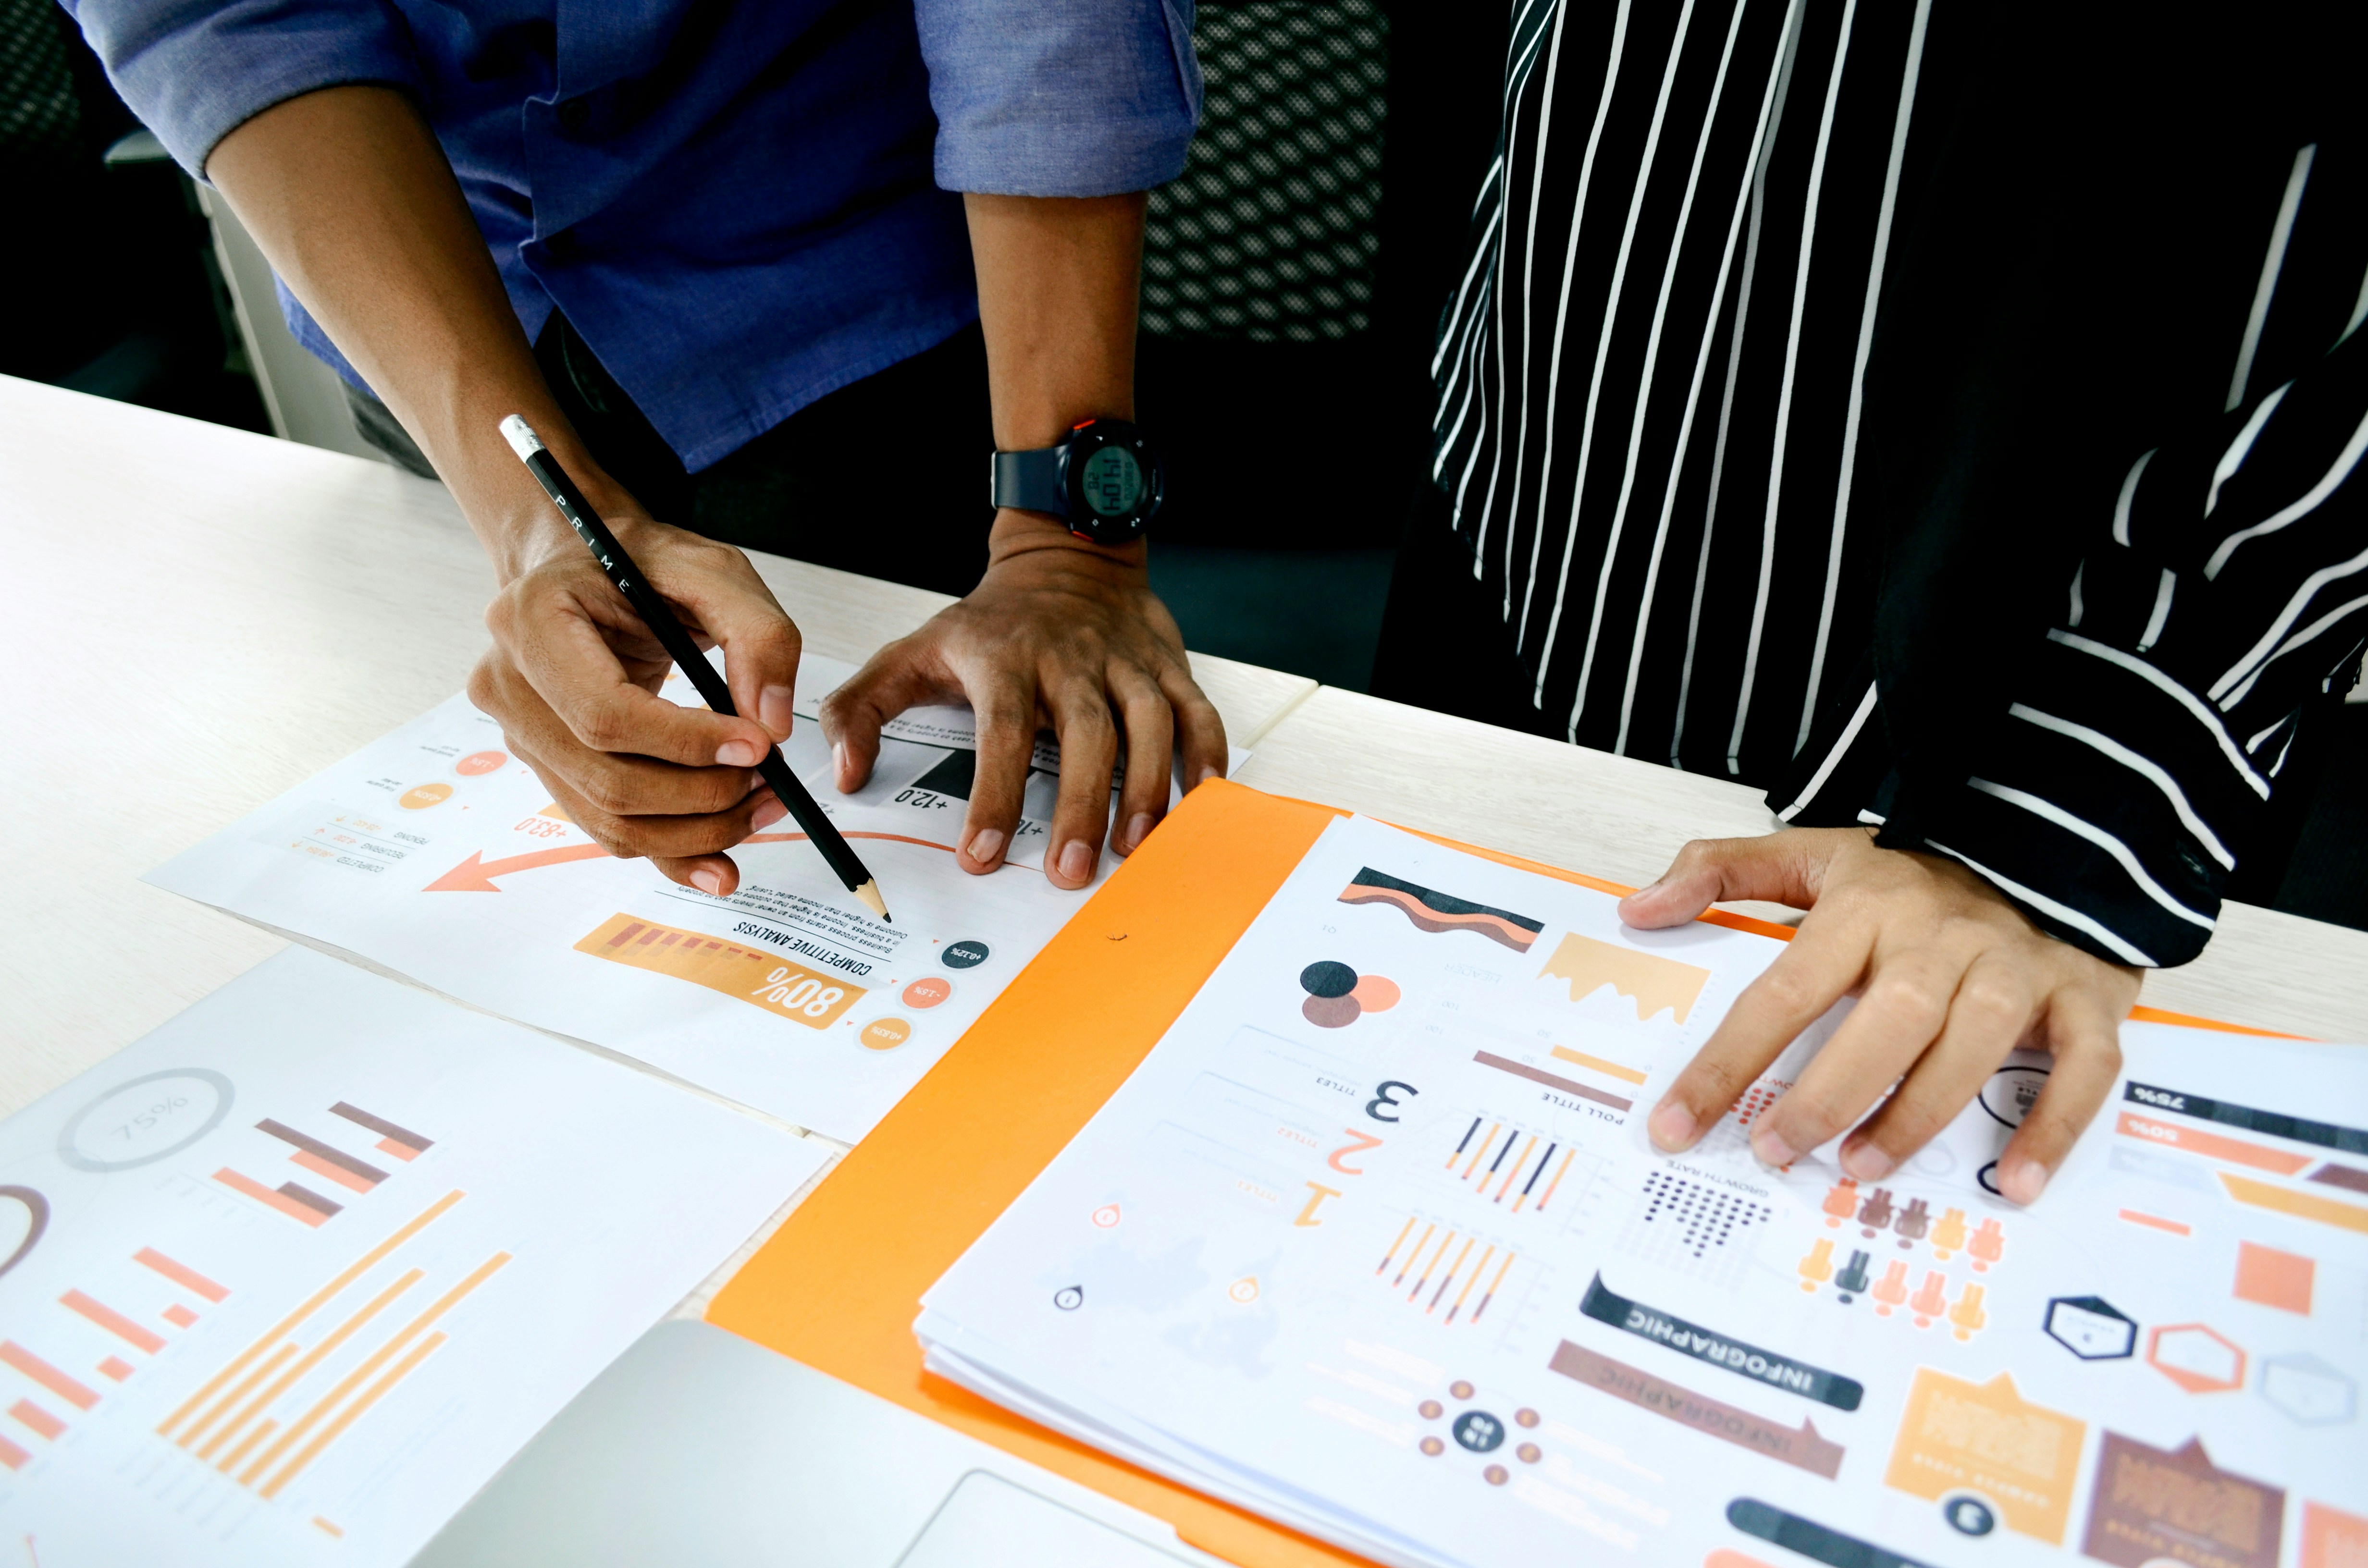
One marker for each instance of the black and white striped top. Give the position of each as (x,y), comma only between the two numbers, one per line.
(1688,398)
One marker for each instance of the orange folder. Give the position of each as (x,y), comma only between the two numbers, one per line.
(840,1285)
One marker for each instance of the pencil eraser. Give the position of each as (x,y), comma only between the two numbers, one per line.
(521,437)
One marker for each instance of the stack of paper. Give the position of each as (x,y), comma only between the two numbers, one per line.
(1373,1244)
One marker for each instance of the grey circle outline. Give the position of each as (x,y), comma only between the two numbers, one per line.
(38,1207)
(81,1162)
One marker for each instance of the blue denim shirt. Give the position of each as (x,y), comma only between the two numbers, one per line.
(740,206)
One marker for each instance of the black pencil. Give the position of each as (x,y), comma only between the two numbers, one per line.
(648,604)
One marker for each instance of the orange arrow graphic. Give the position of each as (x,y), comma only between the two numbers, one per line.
(476,873)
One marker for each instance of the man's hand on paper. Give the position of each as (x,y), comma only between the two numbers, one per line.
(1949,978)
(572,676)
(1059,635)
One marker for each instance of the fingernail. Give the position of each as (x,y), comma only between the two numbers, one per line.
(1867,1163)
(1770,1149)
(1076,861)
(1671,1126)
(708,882)
(736,754)
(1137,831)
(986,846)
(2024,1182)
(773,709)
(1204,775)
(838,759)
(767,814)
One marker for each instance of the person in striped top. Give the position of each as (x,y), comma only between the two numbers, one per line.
(1948,417)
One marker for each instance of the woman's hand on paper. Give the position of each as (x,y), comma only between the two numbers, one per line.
(574,677)
(1059,635)
(1950,977)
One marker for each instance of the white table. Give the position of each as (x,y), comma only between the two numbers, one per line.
(204,617)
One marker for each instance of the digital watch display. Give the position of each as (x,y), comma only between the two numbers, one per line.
(1105,481)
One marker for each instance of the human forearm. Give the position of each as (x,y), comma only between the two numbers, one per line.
(350,196)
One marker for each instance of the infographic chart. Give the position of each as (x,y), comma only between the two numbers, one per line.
(438,855)
(206,1357)
(1372,1243)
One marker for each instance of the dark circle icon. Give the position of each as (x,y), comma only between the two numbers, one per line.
(1969,1516)
(1494,1475)
(37,1220)
(1479,1431)
(1433,1446)
(1325,978)
(1430,1408)
(130,1116)
(963,955)
(1988,1177)
(1529,1453)
(1069,1298)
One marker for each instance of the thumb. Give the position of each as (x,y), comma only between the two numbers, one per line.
(1782,868)
(892,681)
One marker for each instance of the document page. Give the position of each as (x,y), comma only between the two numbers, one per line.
(436,854)
(1374,1243)
(286,1281)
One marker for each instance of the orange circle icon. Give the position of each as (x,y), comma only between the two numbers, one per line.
(1106,1216)
(478,762)
(1244,1290)
(424,796)
(928,991)
(885,1034)
(1376,994)
(1433,1446)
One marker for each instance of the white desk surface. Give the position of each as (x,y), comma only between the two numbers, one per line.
(203,618)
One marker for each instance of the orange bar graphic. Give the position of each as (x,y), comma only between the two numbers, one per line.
(764,981)
(312,1357)
(262,1194)
(2155,1221)
(338,1174)
(1610,1069)
(1428,1268)
(1452,1273)
(115,1322)
(352,1272)
(2301,1205)
(263,1428)
(1427,1231)
(377,1358)
(12,1456)
(2195,1141)
(1491,1294)
(401,1152)
(180,1274)
(1494,1128)
(326,1524)
(1469,1280)
(271,1364)
(1396,1245)
(1548,1196)
(49,1377)
(39,1420)
(116,1366)
(354,1412)
(1506,1185)
(179,1316)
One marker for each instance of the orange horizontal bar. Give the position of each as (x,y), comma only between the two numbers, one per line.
(1613,1069)
(2156,1222)
(401,1152)
(12,1456)
(338,1174)
(2301,1205)
(49,1377)
(2195,1141)
(262,1194)
(2190,1021)
(115,1322)
(180,1274)
(116,1366)
(178,1315)
(39,1420)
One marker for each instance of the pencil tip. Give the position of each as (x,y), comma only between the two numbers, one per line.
(870,893)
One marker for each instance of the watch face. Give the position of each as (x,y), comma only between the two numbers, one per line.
(1111,482)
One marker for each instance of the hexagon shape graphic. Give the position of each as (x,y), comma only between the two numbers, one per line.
(2197,1358)
(2091,1328)
(2309,1391)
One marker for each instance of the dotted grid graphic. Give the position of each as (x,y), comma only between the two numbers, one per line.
(1268,235)
(1693,1228)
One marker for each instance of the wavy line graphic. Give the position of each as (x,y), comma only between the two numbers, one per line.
(1433,911)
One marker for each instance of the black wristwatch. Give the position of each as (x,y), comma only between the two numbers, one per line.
(1105,481)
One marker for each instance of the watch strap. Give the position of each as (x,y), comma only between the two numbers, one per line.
(1031,480)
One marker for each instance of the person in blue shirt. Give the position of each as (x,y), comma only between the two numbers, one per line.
(752,270)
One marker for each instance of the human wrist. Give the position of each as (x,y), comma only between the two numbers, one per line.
(1016,533)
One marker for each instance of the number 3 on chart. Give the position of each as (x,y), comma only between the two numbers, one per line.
(1384,1098)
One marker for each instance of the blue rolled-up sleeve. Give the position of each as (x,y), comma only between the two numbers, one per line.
(194,71)
(1060,97)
